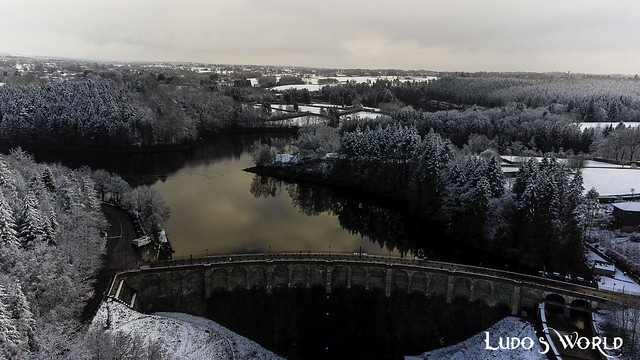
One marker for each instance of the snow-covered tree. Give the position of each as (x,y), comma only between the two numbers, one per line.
(9,334)
(47,179)
(8,232)
(429,166)
(549,199)
(50,227)
(148,202)
(7,180)
(23,316)
(30,221)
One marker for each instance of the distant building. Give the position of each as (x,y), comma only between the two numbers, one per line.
(603,268)
(627,215)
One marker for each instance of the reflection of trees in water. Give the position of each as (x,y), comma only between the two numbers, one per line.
(311,200)
(382,222)
(386,227)
(265,186)
(144,168)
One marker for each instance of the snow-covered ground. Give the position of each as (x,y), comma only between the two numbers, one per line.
(612,180)
(362,115)
(181,336)
(521,159)
(302,108)
(311,109)
(606,178)
(601,164)
(475,347)
(280,107)
(619,282)
(300,121)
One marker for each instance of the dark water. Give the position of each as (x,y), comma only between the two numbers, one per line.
(350,324)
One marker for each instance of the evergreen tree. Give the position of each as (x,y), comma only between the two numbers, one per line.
(47,179)
(25,322)
(8,233)
(9,335)
(430,163)
(30,225)
(7,180)
(548,202)
(50,227)
(492,173)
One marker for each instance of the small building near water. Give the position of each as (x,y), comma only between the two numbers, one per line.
(141,241)
(627,215)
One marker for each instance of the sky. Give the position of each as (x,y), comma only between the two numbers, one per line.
(581,36)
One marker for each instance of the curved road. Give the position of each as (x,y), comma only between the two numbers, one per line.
(120,253)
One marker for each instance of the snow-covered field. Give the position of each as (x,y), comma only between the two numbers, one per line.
(474,348)
(362,115)
(522,159)
(181,336)
(302,108)
(601,164)
(608,179)
(612,180)
(300,121)
(311,109)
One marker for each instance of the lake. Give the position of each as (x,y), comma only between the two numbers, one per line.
(217,208)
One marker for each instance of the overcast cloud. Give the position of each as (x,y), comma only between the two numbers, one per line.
(449,35)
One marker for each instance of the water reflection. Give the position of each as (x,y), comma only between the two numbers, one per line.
(265,186)
(386,226)
(389,228)
(216,208)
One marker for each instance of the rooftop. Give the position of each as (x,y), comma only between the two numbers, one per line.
(628,206)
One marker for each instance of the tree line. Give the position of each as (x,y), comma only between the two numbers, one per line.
(121,110)
(536,223)
(140,106)
(526,114)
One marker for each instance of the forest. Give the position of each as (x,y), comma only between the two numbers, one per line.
(434,150)
(71,104)
(50,252)
(537,222)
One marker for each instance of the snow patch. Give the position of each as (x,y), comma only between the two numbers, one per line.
(285,158)
(181,336)
(474,348)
